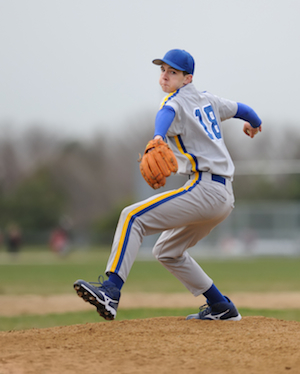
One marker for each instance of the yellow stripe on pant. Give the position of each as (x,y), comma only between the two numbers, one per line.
(139,211)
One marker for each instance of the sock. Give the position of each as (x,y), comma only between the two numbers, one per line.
(213,295)
(114,278)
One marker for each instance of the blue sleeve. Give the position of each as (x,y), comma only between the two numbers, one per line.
(247,114)
(163,120)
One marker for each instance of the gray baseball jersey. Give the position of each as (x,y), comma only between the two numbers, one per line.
(185,215)
(195,135)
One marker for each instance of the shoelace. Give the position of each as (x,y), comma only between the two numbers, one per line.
(204,308)
(100,281)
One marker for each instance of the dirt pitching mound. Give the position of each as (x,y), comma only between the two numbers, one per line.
(157,345)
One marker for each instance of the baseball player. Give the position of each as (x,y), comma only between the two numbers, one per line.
(190,122)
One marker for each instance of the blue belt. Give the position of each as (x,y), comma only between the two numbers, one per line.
(218,178)
(215,178)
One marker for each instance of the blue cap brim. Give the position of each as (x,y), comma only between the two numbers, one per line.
(160,62)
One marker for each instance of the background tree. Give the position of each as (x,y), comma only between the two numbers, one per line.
(44,177)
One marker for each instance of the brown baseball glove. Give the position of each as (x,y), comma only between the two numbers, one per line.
(157,163)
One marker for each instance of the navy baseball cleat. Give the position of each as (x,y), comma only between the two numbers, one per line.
(223,311)
(104,296)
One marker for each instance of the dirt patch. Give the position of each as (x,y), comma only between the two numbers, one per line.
(157,345)
(33,304)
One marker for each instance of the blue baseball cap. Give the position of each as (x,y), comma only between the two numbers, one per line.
(178,59)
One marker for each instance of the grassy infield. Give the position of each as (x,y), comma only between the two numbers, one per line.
(43,273)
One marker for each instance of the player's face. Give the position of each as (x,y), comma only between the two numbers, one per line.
(171,79)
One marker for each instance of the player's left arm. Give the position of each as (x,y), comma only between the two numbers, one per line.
(253,123)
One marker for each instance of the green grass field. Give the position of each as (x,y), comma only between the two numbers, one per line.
(43,273)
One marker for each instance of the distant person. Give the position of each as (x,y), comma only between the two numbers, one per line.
(13,238)
(59,241)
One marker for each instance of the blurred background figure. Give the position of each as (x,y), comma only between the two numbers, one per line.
(13,239)
(61,237)
(59,241)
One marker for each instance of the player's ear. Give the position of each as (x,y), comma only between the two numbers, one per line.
(188,78)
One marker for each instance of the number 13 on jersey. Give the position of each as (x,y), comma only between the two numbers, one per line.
(215,132)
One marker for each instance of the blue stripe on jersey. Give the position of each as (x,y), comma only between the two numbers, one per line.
(190,156)
(169,97)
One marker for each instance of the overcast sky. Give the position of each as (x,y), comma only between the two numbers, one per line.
(78,66)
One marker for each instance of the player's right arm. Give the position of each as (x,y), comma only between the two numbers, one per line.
(253,123)
(247,114)
(250,130)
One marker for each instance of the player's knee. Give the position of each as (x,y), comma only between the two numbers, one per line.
(125,212)
(157,253)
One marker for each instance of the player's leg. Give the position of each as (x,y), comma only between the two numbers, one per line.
(156,214)
(135,222)
(159,213)
(168,250)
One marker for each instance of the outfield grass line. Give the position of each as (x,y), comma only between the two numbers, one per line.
(11,305)
(67,319)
